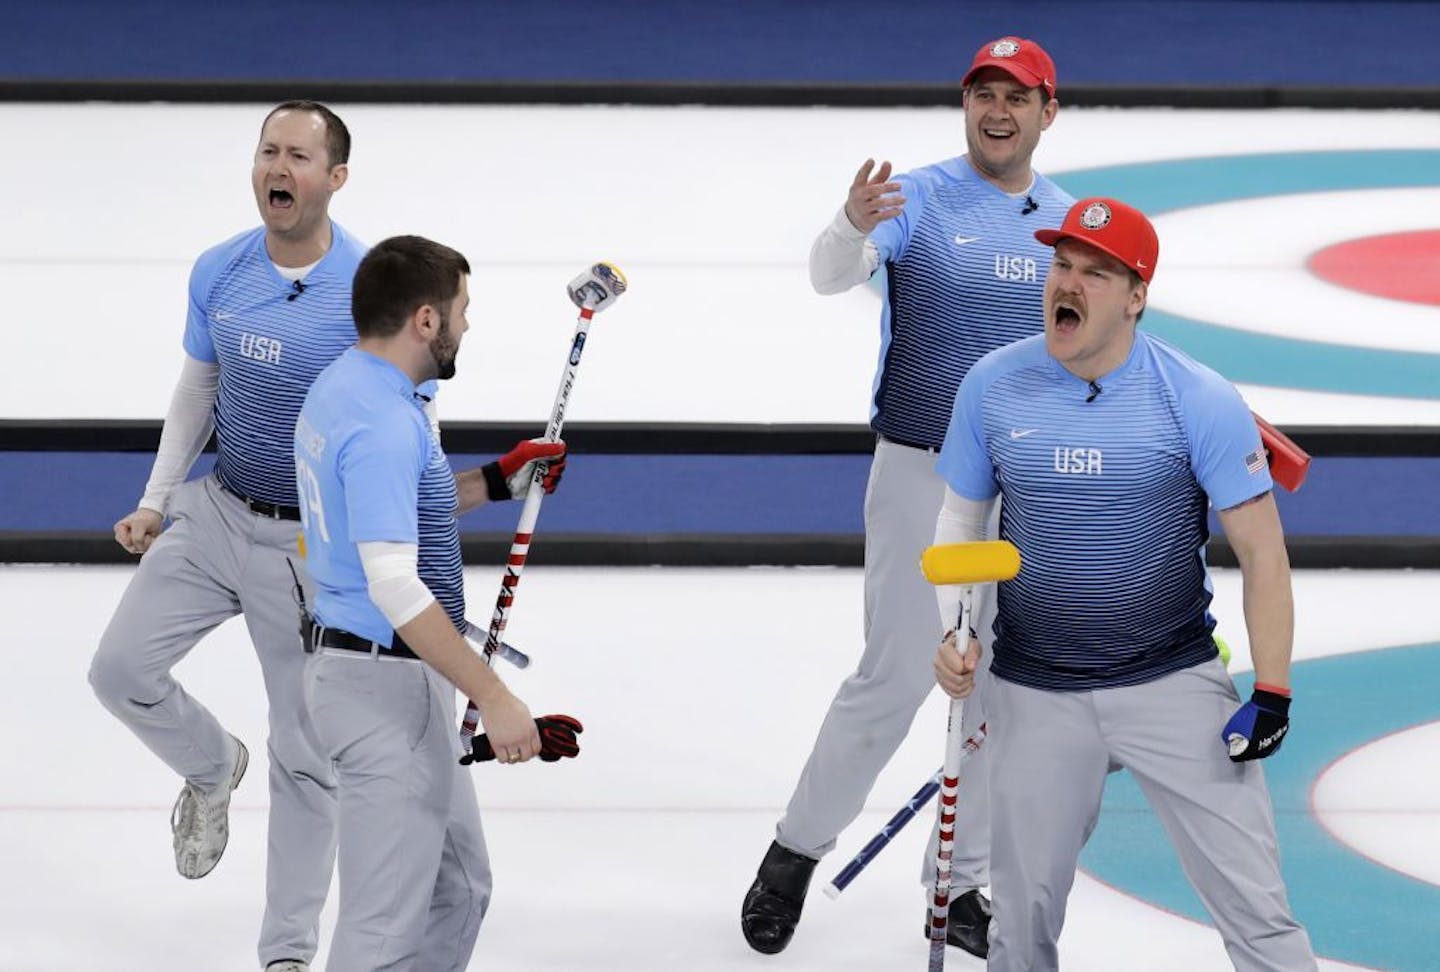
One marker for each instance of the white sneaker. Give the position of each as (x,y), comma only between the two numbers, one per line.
(288,965)
(200,821)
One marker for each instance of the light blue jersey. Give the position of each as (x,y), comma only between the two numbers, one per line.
(1107,500)
(964,275)
(270,338)
(371,469)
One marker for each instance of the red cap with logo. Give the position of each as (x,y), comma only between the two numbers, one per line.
(1113,227)
(1022,59)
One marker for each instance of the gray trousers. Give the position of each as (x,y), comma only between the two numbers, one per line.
(414,872)
(873,711)
(1052,751)
(217,560)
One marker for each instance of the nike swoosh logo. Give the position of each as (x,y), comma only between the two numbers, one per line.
(222,315)
(1022,433)
(962,240)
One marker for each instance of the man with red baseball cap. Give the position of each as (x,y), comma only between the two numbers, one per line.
(1102,232)
(1024,60)
(954,247)
(1107,224)
(1108,448)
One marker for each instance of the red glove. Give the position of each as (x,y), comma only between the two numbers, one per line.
(509,476)
(557,739)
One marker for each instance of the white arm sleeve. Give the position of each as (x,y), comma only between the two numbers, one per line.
(961,520)
(393,580)
(187,428)
(841,257)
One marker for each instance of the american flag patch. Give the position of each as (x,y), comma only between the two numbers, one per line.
(1255,461)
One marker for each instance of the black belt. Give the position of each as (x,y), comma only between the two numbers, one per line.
(261,508)
(324,637)
(911,445)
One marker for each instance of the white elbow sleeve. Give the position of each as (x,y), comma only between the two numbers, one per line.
(841,257)
(188,424)
(393,580)
(961,520)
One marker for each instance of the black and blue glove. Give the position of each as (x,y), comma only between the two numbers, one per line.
(1259,726)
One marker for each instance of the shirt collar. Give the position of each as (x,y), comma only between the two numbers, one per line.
(392,376)
(1130,363)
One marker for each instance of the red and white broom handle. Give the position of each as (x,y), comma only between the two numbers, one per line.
(592,291)
(949,793)
(529,514)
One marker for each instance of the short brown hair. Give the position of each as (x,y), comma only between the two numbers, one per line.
(337,136)
(398,276)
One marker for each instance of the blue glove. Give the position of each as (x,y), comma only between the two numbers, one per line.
(1259,726)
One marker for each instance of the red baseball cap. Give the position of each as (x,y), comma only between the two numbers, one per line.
(1113,227)
(1022,59)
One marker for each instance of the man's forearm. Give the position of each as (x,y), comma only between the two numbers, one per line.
(432,636)
(188,424)
(961,520)
(471,490)
(841,257)
(1270,616)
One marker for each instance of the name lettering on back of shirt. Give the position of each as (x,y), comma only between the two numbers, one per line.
(259,348)
(1016,268)
(311,441)
(1078,461)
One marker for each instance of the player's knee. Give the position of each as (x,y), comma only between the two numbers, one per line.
(104,675)
(298,754)
(116,679)
(481,893)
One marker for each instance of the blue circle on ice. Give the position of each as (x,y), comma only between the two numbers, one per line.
(1247,357)
(1354,909)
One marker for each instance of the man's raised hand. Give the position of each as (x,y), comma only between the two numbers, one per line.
(873,199)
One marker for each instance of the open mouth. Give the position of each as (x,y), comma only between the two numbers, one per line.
(999,133)
(1067,319)
(281,199)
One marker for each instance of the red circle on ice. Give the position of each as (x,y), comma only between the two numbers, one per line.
(1400,266)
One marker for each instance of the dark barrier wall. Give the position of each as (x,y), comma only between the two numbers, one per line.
(670,505)
(1109,42)
(716,495)
(733,497)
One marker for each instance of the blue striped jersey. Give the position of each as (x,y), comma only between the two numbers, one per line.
(1107,501)
(370,468)
(270,339)
(964,275)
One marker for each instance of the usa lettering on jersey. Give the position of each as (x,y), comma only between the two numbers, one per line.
(1016,268)
(258,348)
(1078,460)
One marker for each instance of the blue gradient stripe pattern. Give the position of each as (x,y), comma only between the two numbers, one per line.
(439,563)
(271,341)
(1143,521)
(958,235)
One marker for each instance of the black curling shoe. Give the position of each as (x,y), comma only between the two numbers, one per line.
(968,925)
(772,905)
